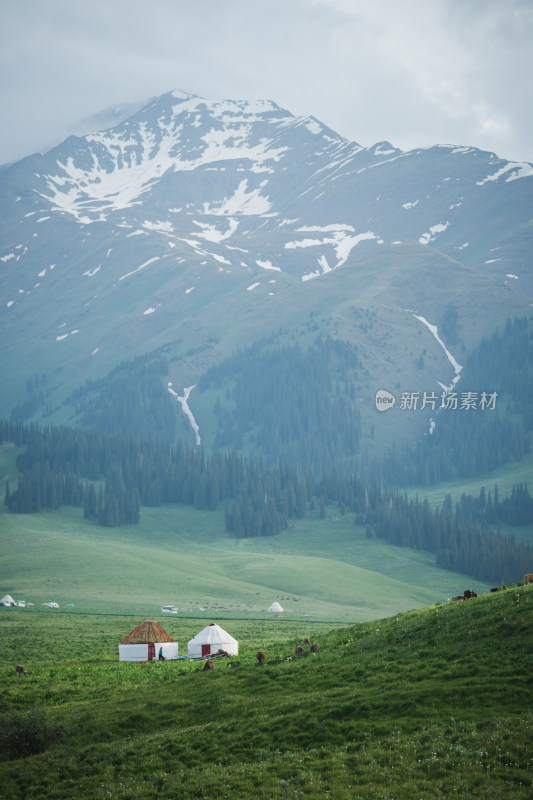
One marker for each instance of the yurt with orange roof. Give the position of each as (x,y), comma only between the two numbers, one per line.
(145,641)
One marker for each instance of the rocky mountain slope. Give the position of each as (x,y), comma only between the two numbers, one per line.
(201,226)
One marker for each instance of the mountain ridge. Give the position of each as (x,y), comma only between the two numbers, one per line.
(195,225)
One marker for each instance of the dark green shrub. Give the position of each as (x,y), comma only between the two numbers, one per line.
(26,733)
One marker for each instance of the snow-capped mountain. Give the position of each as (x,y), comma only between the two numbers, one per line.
(198,220)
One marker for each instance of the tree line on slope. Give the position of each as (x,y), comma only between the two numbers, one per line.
(132,399)
(111,476)
(289,402)
(459,543)
(467,443)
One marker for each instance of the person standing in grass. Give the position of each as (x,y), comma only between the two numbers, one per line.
(161,656)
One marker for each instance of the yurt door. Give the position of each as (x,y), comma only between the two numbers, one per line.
(206,650)
(151,651)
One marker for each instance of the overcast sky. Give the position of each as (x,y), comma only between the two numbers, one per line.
(414,72)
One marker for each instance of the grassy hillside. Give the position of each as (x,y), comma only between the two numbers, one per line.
(505,477)
(364,303)
(318,569)
(430,703)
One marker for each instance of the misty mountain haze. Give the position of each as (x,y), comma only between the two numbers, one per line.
(201,226)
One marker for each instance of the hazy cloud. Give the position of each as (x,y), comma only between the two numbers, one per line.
(414,72)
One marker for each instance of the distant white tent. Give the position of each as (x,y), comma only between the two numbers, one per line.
(145,641)
(7,600)
(275,607)
(210,641)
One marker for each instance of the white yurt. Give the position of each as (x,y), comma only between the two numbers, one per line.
(210,641)
(7,600)
(275,607)
(145,641)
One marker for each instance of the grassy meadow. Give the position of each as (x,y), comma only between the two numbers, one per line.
(430,703)
(318,569)
(409,695)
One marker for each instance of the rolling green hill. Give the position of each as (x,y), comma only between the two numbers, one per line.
(318,568)
(430,703)
(324,570)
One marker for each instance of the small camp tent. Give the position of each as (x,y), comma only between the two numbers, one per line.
(210,641)
(7,600)
(145,641)
(275,607)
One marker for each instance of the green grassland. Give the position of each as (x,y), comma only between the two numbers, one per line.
(426,704)
(317,569)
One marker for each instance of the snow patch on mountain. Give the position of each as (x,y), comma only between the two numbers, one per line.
(146,264)
(97,189)
(267,265)
(313,126)
(516,170)
(307,243)
(66,335)
(90,272)
(158,225)
(219,258)
(231,144)
(342,243)
(241,202)
(183,401)
(212,234)
(326,228)
(457,367)
(116,168)
(431,235)
(310,275)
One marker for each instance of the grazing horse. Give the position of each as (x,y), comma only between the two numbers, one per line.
(261,656)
